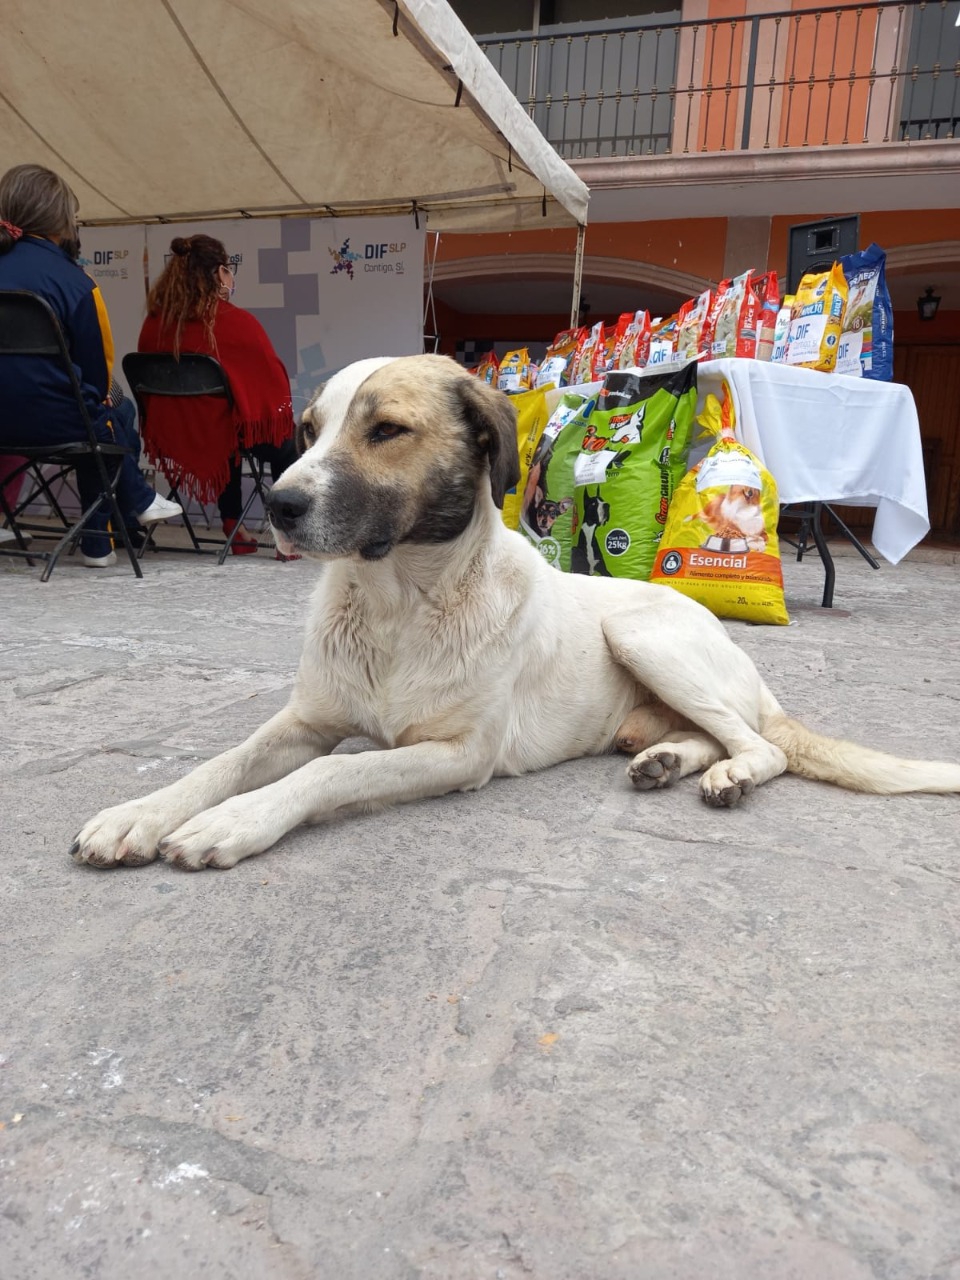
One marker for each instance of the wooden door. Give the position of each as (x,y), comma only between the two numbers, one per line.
(933,375)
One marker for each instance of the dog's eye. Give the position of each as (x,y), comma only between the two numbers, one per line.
(387,431)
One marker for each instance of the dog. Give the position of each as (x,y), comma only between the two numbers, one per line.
(430,629)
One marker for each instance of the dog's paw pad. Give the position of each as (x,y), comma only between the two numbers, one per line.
(725,791)
(651,771)
(724,797)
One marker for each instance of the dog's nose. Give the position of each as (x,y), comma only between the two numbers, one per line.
(286,506)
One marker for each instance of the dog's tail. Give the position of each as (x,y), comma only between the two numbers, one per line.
(846,764)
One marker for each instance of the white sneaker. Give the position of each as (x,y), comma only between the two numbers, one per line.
(159,509)
(100,562)
(7,535)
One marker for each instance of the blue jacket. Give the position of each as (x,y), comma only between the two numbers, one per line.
(37,403)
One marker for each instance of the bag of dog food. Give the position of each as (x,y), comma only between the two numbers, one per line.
(632,454)
(708,332)
(720,544)
(547,509)
(531,407)
(730,319)
(781,331)
(761,319)
(633,350)
(581,370)
(555,369)
(663,343)
(817,320)
(514,372)
(488,368)
(690,321)
(866,343)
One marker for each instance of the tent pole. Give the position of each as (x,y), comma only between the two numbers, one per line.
(577,276)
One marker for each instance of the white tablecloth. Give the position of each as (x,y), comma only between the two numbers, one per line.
(829,438)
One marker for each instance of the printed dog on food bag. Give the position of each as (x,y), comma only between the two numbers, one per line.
(735,518)
(585,555)
(429,631)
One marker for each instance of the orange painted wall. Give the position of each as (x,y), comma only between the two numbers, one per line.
(695,245)
(906,226)
(832,45)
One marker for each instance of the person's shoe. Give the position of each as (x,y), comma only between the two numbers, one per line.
(240,546)
(159,509)
(100,562)
(7,535)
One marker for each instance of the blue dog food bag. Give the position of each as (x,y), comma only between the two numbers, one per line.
(866,342)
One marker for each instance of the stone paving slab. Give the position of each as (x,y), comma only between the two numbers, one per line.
(554,1029)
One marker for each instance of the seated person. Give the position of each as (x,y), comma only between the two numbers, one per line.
(38,248)
(197,441)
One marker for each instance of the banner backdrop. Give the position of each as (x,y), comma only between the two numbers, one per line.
(115,257)
(327,290)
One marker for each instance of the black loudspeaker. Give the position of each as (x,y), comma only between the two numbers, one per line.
(816,246)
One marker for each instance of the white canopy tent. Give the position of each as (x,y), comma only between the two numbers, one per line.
(200,109)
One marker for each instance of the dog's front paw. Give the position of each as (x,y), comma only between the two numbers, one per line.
(654,768)
(128,835)
(724,785)
(219,837)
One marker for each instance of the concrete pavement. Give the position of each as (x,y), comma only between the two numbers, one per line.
(557,1029)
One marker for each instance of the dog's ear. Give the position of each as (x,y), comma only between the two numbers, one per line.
(493,421)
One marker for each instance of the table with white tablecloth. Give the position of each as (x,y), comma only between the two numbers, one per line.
(829,438)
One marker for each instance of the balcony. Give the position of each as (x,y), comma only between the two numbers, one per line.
(882,73)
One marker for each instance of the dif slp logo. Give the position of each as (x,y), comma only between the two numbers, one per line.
(111,263)
(373,258)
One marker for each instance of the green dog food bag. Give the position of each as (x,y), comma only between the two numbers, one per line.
(547,509)
(633,453)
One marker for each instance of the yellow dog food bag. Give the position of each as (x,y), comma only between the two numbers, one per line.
(532,417)
(816,320)
(720,542)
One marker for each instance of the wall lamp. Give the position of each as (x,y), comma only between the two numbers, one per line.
(928,304)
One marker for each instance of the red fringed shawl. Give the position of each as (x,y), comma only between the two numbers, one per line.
(194,441)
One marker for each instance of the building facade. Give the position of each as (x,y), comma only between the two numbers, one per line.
(707,132)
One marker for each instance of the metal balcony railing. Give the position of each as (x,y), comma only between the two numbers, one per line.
(886,72)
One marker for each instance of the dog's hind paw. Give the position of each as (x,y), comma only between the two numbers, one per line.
(653,769)
(723,787)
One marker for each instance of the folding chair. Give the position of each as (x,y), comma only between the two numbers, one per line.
(29,327)
(161,373)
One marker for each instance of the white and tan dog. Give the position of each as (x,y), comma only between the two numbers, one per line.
(430,632)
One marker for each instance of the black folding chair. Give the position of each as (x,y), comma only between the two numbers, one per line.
(161,373)
(29,327)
